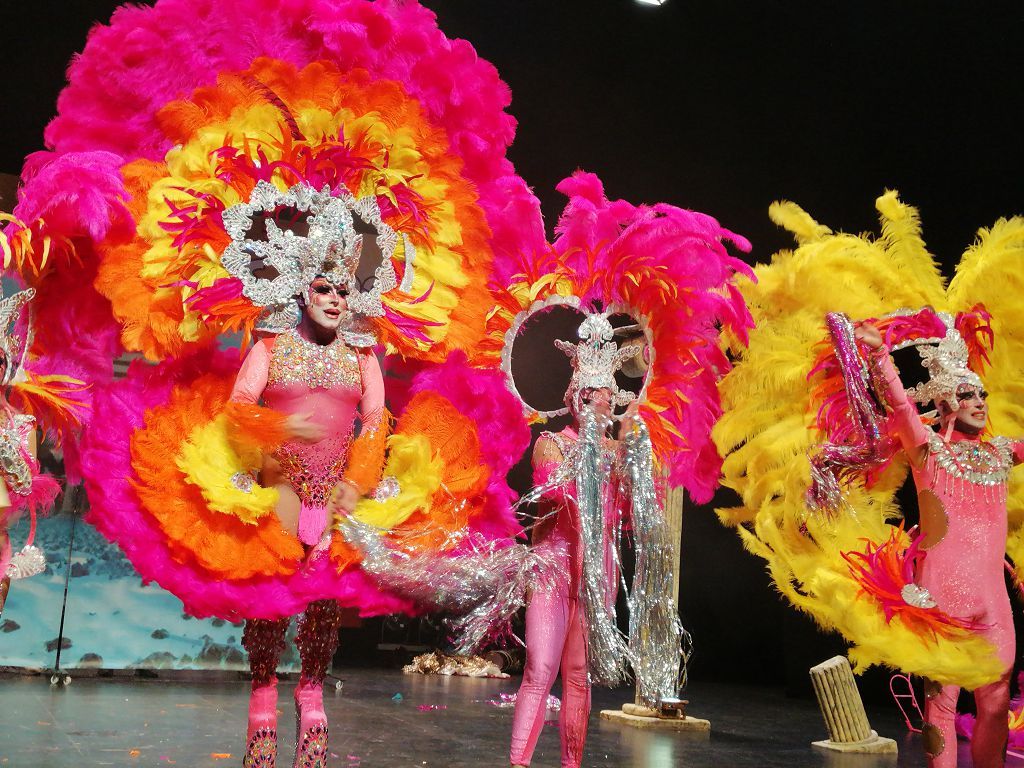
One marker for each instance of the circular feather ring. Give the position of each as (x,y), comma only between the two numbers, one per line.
(369,97)
(669,269)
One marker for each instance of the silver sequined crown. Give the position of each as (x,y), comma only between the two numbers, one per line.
(331,248)
(945,359)
(595,359)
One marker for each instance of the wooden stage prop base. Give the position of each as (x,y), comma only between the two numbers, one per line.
(873,745)
(644,717)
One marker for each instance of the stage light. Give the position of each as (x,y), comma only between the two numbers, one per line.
(651,2)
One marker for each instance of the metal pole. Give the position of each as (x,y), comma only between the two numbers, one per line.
(64,605)
(67,579)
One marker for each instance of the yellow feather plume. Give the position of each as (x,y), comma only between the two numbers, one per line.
(767,429)
(411,458)
(209,460)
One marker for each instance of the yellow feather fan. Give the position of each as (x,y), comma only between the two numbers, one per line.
(767,429)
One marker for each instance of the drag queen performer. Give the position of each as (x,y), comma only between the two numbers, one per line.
(555,625)
(667,275)
(320,384)
(328,152)
(961,478)
(819,504)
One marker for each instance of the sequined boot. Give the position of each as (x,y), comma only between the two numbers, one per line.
(261,735)
(310,725)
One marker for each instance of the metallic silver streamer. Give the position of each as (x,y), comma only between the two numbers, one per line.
(656,635)
(608,652)
(482,589)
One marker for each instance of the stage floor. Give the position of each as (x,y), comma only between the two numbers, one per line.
(110,722)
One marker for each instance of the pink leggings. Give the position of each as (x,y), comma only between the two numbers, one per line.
(554,634)
(988,744)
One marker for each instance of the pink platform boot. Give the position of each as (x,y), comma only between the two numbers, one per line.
(264,640)
(261,735)
(310,725)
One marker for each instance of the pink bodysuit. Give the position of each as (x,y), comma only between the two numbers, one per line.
(964,570)
(555,622)
(328,382)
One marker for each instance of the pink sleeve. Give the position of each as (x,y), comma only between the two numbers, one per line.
(542,473)
(252,377)
(909,429)
(371,406)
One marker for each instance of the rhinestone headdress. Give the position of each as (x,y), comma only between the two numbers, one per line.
(331,249)
(946,360)
(595,359)
(11,345)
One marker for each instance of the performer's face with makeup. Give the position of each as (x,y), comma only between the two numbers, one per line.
(972,412)
(326,304)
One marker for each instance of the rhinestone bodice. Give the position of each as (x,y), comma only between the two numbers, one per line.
(296,360)
(15,467)
(324,382)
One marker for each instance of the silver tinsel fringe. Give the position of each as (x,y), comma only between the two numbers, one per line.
(482,589)
(834,465)
(656,635)
(608,652)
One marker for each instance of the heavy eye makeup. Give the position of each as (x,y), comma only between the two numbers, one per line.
(963,397)
(324,288)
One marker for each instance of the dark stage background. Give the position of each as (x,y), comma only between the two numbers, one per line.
(721,106)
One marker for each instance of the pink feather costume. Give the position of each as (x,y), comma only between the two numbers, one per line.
(963,571)
(26,488)
(555,623)
(671,270)
(22,485)
(408,120)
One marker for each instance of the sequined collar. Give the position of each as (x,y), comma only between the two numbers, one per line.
(983,462)
(296,359)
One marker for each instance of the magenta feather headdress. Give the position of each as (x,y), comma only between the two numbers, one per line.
(671,270)
(851,413)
